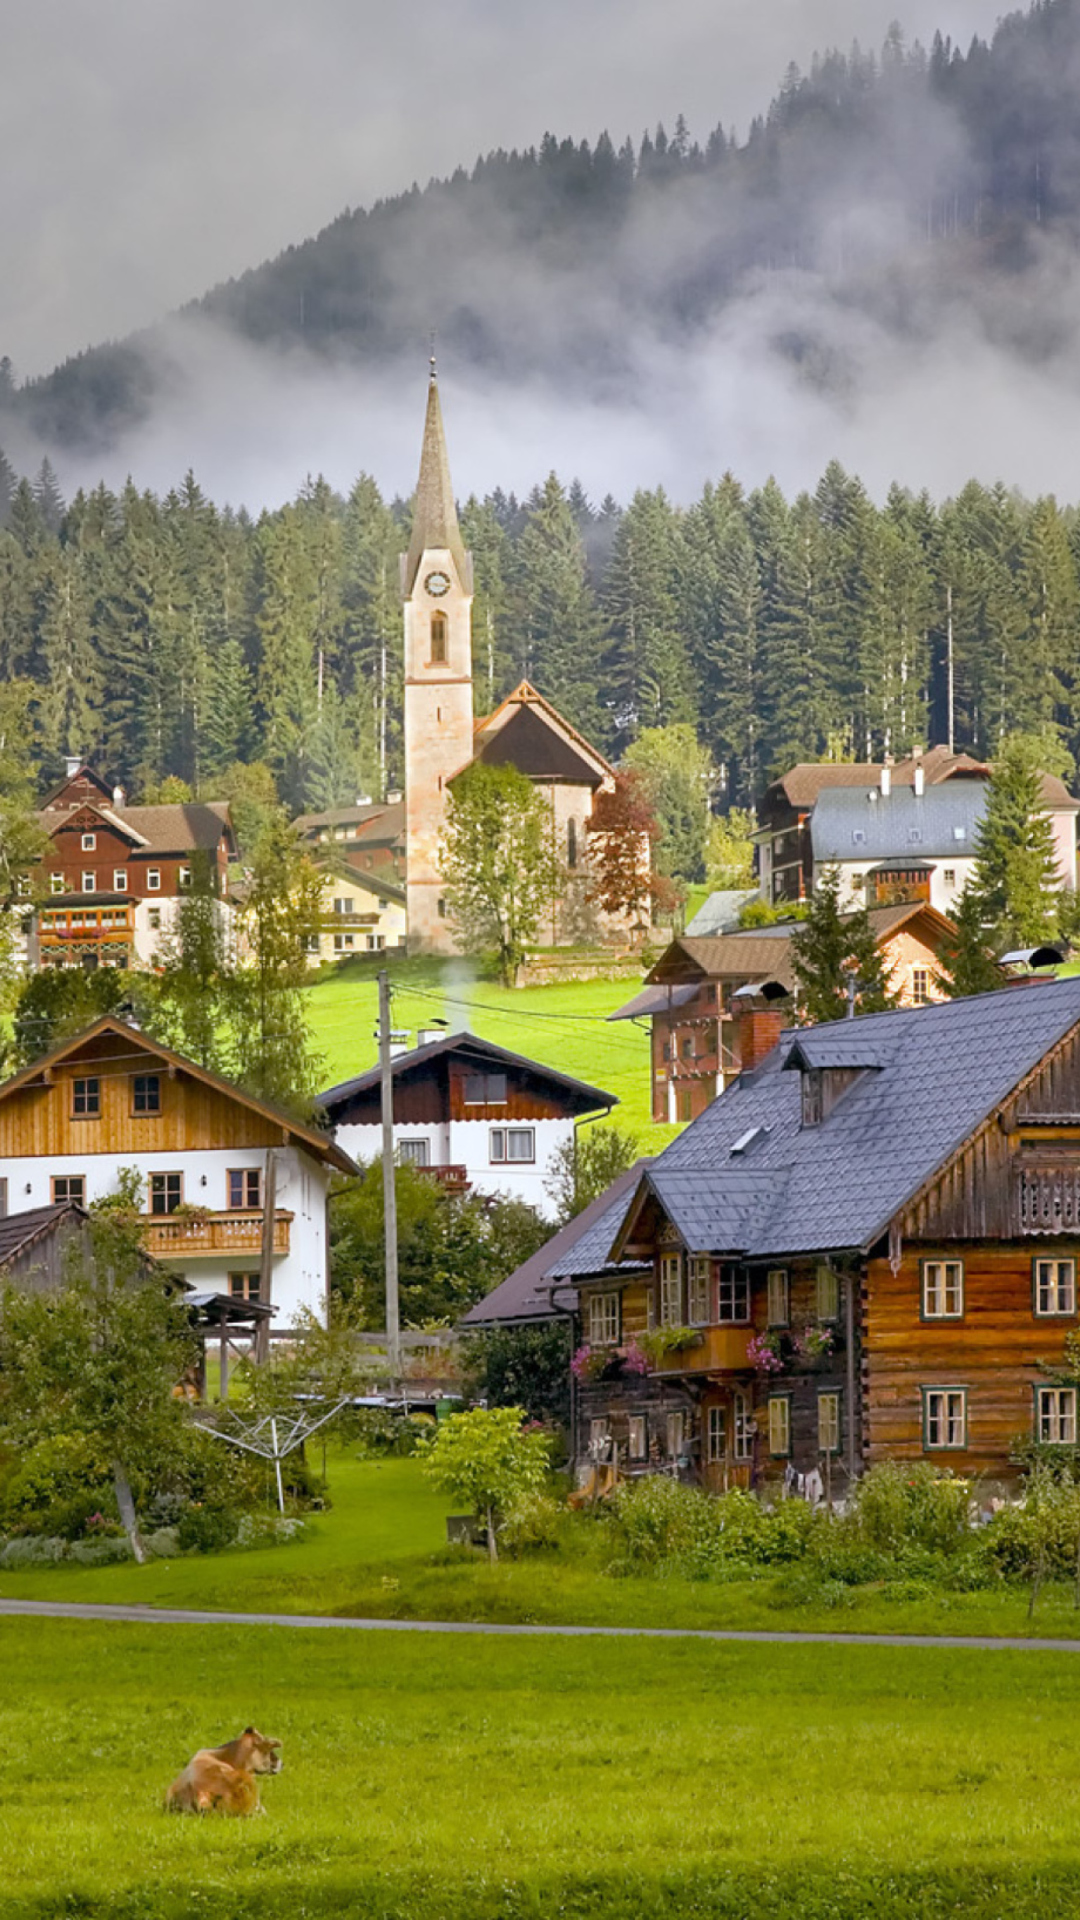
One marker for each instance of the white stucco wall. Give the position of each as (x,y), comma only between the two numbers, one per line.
(467,1143)
(299,1277)
(943,895)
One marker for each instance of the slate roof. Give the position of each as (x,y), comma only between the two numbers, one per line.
(854,824)
(578,1249)
(655,1000)
(942,1070)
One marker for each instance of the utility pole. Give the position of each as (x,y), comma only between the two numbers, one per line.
(386,1078)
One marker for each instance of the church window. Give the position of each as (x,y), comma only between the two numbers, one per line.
(571,843)
(438,639)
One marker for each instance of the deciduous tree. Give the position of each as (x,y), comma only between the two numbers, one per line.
(499,863)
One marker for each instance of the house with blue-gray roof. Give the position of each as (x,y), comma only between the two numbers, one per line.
(866,1248)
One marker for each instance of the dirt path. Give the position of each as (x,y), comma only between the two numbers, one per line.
(190,1617)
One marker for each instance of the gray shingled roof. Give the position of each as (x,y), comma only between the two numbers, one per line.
(720,912)
(847,824)
(578,1250)
(942,1071)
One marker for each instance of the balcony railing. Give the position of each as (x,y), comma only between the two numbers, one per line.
(170,1234)
(722,1350)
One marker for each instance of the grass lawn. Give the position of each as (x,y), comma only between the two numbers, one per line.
(564,1026)
(434,1779)
(380,1553)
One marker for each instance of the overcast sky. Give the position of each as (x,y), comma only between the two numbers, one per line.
(149,148)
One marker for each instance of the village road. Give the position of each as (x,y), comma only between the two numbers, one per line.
(190,1617)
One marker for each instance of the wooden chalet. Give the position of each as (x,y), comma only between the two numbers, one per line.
(865,1249)
(717,1004)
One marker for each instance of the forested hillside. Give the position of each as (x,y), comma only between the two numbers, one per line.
(911,186)
(167,637)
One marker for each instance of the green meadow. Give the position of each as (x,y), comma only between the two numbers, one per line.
(467,1779)
(381,1553)
(564,1026)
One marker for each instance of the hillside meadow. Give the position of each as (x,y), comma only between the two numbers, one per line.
(564,1026)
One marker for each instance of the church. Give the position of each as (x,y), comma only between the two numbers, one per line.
(443,737)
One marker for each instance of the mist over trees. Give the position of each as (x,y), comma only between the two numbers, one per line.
(903,186)
(171,640)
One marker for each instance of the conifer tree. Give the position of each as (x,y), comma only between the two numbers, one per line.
(965,962)
(829,948)
(1016,879)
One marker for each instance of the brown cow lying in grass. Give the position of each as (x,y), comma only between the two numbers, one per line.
(222,1779)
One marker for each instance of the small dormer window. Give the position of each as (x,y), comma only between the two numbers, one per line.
(812,1097)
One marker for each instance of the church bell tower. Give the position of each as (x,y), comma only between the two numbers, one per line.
(437,589)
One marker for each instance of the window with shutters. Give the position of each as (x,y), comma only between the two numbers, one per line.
(778,1292)
(637,1437)
(780,1425)
(671,1301)
(828,1293)
(699,1290)
(828,1422)
(742,1429)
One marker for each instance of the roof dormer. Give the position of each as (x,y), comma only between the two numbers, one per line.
(829,1062)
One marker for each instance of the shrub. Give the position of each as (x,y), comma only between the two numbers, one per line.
(1043,1532)
(206,1529)
(896,1505)
(34,1550)
(57,1486)
(100,1553)
(531,1524)
(268,1529)
(163,1543)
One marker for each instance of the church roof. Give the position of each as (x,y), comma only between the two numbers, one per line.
(435,521)
(529,742)
(526,699)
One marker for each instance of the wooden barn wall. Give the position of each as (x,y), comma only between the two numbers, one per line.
(38,1120)
(977,1196)
(994,1351)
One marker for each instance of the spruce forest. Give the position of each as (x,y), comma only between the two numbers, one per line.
(168,638)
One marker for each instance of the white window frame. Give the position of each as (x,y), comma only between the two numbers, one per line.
(89,882)
(637,1437)
(945,1419)
(671,1290)
(733,1298)
(89,843)
(779,1411)
(942,1289)
(56,883)
(415,1152)
(119,880)
(698,1290)
(505,1147)
(1054,1288)
(1055,1416)
(827,1293)
(603,1319)
(778,1297)
(716,1432)
(183,878)
(600,1437)
(153,879)
(153,919)
(829,1420)
(343,942)
(675,1434)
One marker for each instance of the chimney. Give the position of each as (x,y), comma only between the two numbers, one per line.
(919,780)
(886,778)
(118,796)
(72,761)
(393,797)
(760,1015)
(400,1041)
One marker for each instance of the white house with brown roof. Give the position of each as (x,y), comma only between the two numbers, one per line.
(234,1191)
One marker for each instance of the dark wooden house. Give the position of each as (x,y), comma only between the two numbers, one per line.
(866,1248)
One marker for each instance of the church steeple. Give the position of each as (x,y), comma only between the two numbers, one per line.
(435,521)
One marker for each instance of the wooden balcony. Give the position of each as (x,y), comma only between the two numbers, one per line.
(170,1235)
(722,1350)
